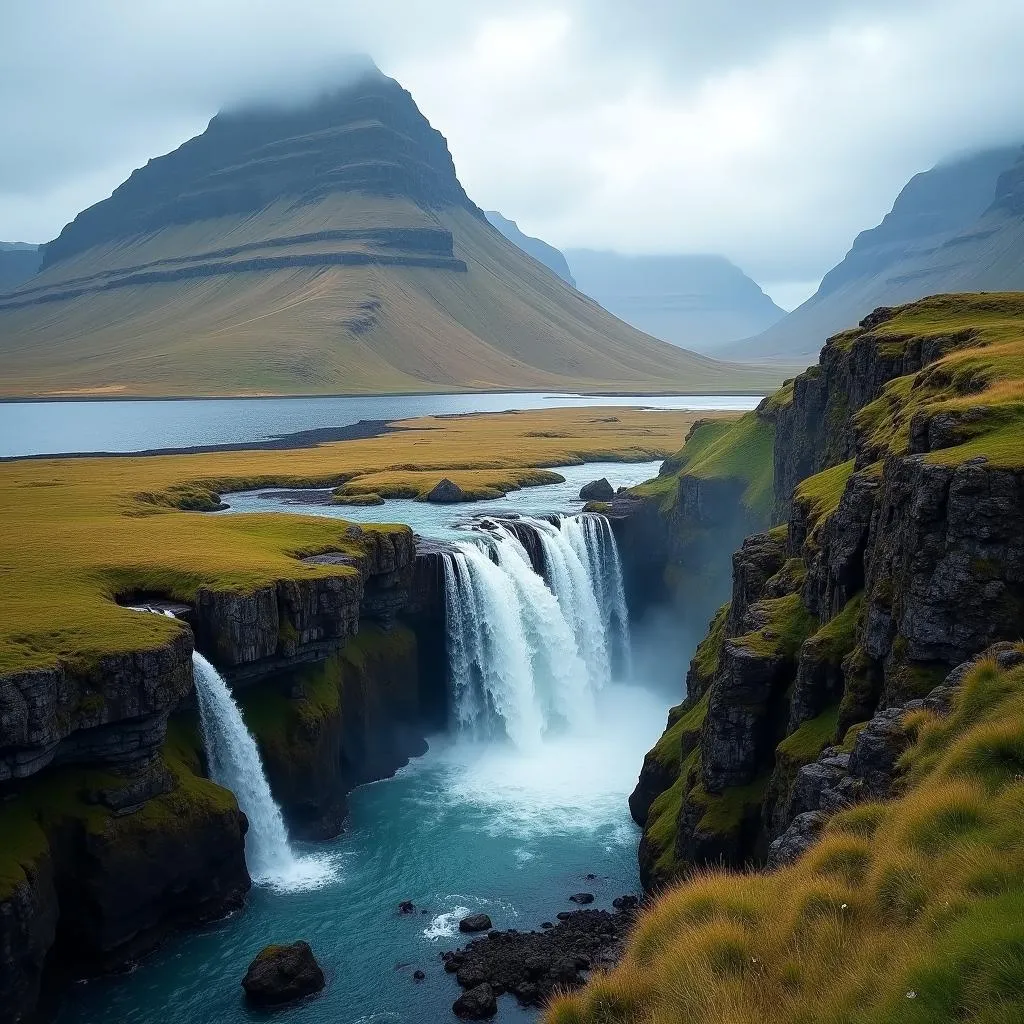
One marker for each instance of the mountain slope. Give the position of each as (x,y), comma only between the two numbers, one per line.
(551,257)
(694,301)
(18,262)
(322,249)
(955,228)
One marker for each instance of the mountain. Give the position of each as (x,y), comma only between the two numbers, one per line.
(958,227)
(322,248)
(551,257)
(18,262)
(695,301)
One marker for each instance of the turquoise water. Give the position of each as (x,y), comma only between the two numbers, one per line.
(442,522)
(49,428)
(462,829)
(466,828)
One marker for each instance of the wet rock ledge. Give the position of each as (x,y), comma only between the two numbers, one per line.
(532,966)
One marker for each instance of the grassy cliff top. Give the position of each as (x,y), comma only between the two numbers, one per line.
(78,532)
(907,912)
(977,386)
(739,449)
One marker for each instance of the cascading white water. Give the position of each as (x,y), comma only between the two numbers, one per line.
(591,537)
(234,762)
(529,654)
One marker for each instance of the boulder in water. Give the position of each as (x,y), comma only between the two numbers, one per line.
(475,923)
(597,490)
(582,898)
(447,492)
(419,975)
(282,974)
(406,907)
(478,1003)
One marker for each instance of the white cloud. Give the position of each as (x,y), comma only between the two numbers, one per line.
(768,132)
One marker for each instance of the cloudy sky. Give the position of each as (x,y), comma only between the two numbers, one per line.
(768,130)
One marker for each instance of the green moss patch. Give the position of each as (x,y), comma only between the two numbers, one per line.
(788,625)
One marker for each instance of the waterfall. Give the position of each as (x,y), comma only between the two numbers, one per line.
(591,537)
(234,762)
(528,655)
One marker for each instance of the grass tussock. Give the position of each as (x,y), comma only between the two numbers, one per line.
(906,912)
(78,532)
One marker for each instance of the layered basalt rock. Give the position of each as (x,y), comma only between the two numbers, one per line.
(357,716)
(99,868)
(112,837)
(898,561)
(113,710)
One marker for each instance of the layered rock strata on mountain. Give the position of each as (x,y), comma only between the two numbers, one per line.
(899,559)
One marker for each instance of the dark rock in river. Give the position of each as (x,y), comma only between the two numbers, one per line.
(476,1004)
(475,923)
(597,490)
(282,974)
(447,492)
(533,965)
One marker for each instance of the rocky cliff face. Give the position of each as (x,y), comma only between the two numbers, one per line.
(113,837)
(900,557)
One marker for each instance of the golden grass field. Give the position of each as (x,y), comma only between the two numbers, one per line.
(79,531)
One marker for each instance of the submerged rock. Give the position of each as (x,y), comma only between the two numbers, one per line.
(283,974)
(475,923)
(406,907)
(447,492)
(597,490)
(582,898)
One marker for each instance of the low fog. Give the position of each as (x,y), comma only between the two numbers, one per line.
(770,133)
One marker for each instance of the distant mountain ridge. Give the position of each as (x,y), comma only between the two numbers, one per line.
(540,250)
(18,262)
(328,248)
(956,227)
(691,300)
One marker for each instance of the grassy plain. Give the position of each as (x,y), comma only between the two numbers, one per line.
(78,532)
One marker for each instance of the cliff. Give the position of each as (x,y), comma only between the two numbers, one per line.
(112,836)
(953,228)
(852,718)
(325,247)
(897,558)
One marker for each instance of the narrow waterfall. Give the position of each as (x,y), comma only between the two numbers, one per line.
(528,655)
(591,537)
(234,762)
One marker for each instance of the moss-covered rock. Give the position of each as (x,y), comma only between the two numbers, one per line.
(327,727)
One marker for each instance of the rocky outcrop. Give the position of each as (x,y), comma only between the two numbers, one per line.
(871,771)
(597,490)
(113,710)
(446,492)
(534,965)
(282,974)
(898,561)
(98,869)
(251,633)
(327,727)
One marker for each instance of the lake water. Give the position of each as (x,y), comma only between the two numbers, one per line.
(50,428)
(469,827)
